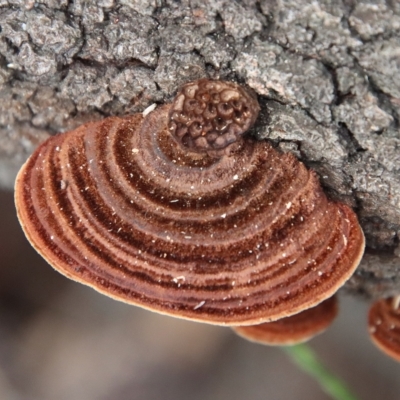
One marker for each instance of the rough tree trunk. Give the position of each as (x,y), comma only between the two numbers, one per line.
(327,75)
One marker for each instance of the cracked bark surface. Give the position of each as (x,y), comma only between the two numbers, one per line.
(327,75)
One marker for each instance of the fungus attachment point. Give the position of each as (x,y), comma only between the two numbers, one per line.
(384,326)
(207,116)
(292,330)
(234,238)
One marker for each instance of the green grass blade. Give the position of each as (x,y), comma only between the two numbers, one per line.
(306,359)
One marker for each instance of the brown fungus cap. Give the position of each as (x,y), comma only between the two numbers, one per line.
(243,238)
(384,326)
(292,330)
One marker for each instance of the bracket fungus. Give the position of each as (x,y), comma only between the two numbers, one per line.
(177,212)
(384,325)
(295,329)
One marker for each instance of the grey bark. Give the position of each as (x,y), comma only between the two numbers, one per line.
(327,75)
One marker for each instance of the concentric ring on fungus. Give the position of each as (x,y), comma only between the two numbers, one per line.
(384,326)
(224,230)
(295,329)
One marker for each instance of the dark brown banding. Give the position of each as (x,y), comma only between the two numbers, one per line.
(295,329)
(236,239)
(384,326)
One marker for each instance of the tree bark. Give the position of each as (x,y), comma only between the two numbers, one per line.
(327,75)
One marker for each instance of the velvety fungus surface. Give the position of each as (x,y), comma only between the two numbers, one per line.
(224,230)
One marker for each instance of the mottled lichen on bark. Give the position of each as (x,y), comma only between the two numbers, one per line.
(327,74)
